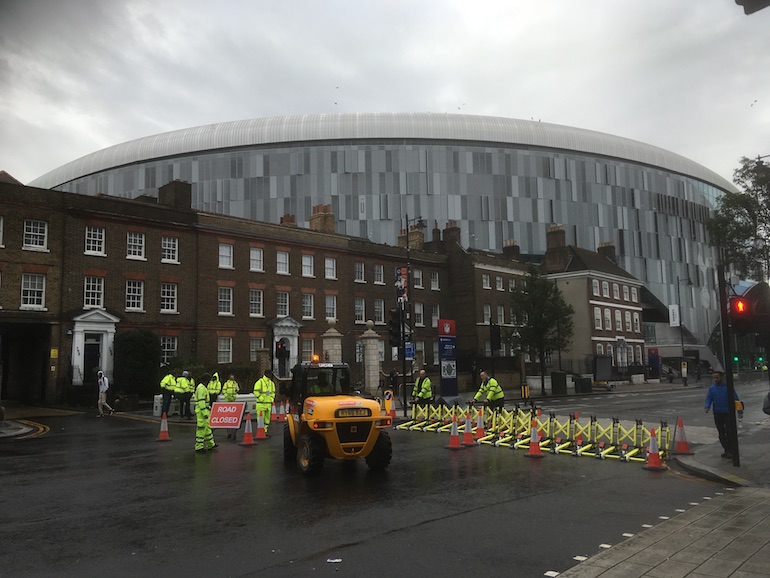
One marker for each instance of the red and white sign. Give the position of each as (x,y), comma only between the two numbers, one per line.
(227,414)
(446,327)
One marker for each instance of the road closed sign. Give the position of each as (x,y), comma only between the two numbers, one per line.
(227,414)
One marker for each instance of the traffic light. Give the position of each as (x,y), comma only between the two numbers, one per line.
(394,327)
(760,359)
(736,359)
(741,316)
(280,350)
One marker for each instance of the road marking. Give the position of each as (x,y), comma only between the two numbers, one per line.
(40,428)
(580,558)
(605,546)
(628,535)
(646,525)
(663,518)
(680,510)
(706,498)
(551,573)
(695,503)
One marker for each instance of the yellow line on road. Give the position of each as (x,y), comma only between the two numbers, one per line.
(40,428)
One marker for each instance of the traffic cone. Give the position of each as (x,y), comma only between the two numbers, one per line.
(653,459)
(454,437)
(261,434)
(480,433)
(534,443)
(681,447)
(248,435)
(281,412)
(163,436)
(273,413)
(393,407)
(468,434)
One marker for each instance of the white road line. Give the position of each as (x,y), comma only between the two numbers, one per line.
(646,525)
(580,558)
(605,546)
(628,535)
(551,573)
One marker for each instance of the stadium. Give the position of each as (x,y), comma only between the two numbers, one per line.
(498,178)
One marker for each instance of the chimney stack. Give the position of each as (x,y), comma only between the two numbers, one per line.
(289,221)
(416,238)
(556,253)
(607,250)
(511,250)
(322,219)
(177,195)
(555,237)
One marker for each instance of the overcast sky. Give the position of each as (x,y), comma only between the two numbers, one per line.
(76,76)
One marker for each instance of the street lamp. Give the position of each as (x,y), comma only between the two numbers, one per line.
(683,364)
(419,223)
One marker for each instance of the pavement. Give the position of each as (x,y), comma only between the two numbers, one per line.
(727,534)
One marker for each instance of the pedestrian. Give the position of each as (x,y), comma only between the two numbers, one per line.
(214,387)
(422,392)
(264,392)
(185,386)
(718,399)
(230,391)
(393,377)
(489,387)
(167,387)
(104,385)
(204,437)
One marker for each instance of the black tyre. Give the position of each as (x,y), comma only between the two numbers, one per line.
(310,454)
(381,454)
(289,449)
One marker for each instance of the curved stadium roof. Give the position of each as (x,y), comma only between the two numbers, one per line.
(355,126)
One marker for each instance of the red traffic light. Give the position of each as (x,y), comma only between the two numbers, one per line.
(739,306)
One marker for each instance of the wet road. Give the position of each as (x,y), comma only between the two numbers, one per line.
(100,496)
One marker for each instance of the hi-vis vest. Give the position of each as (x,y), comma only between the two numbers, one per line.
(422,388)
(168,382)
(492,390)
(264,390)
(201,398)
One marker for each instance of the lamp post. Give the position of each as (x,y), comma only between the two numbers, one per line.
(683,364)
(419,223)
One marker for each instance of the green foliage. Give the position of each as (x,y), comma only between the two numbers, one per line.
(741,222)
(137,355)
(544,317)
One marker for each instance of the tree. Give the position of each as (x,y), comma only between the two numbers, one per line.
(137,358)
(741,222)
(545,318)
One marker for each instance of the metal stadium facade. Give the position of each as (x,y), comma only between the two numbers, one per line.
(498,178)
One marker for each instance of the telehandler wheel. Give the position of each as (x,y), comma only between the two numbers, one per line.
(310,454)
(289,449)
(381,453)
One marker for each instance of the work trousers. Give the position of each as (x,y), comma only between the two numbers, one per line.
(167,395)
(184,404)
(265,408)
(204,437)
(720,420)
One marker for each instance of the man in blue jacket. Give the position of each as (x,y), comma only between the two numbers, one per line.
(717,397)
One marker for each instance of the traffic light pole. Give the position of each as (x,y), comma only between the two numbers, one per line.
(727,361)
(402,349)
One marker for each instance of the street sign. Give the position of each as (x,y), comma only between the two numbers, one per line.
(402,287)
(227,414)
(447,354)
(409,347)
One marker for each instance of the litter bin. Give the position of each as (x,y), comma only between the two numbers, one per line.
(558,383)
(583,385)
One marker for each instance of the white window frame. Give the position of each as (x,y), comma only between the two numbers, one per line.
(282,263)
(330,268)
(308,265)
(629,326)
(499,283)
(226,256)
(2,226)
(434,281)
(501,314)
(417,278)
(625,293)
(169,250)
(135,242)
(93,292)
(487,314)
(615,291)
(35,235)
(360,272)
(435,353)
(611,352)
(599,349)
(639,357)
(511,285)
(255,344)
(308,306)
(308,347)
(595,286)
(33,294)
(169,298)
(169,345)
(605,289)
(256,303)
(634,295)
(359,310)
(225,301)
(330,305)
(608,320)
(598,318)
(224,349)
(435,315)
(379,311)
(419,314)
(94,241)
(485,281)
(134,295)
(379,274)
(637,323)
(282,303)
(256,259)
(618,321)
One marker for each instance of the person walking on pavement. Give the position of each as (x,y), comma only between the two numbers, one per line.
(718,399)
(167,387)
(214,387)
(204,437)
(185,386)
(489,387)
(422,393)
(230,390)
(104,385)
(264,392)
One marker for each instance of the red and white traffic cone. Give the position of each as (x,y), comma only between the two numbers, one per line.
(392,407)
(248,434)
(163,436)
(480,433)
(681,447)
(261,434)
(454,437)
(273,413)
(653,459)
(534,443)
(281,412)
(468,440)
